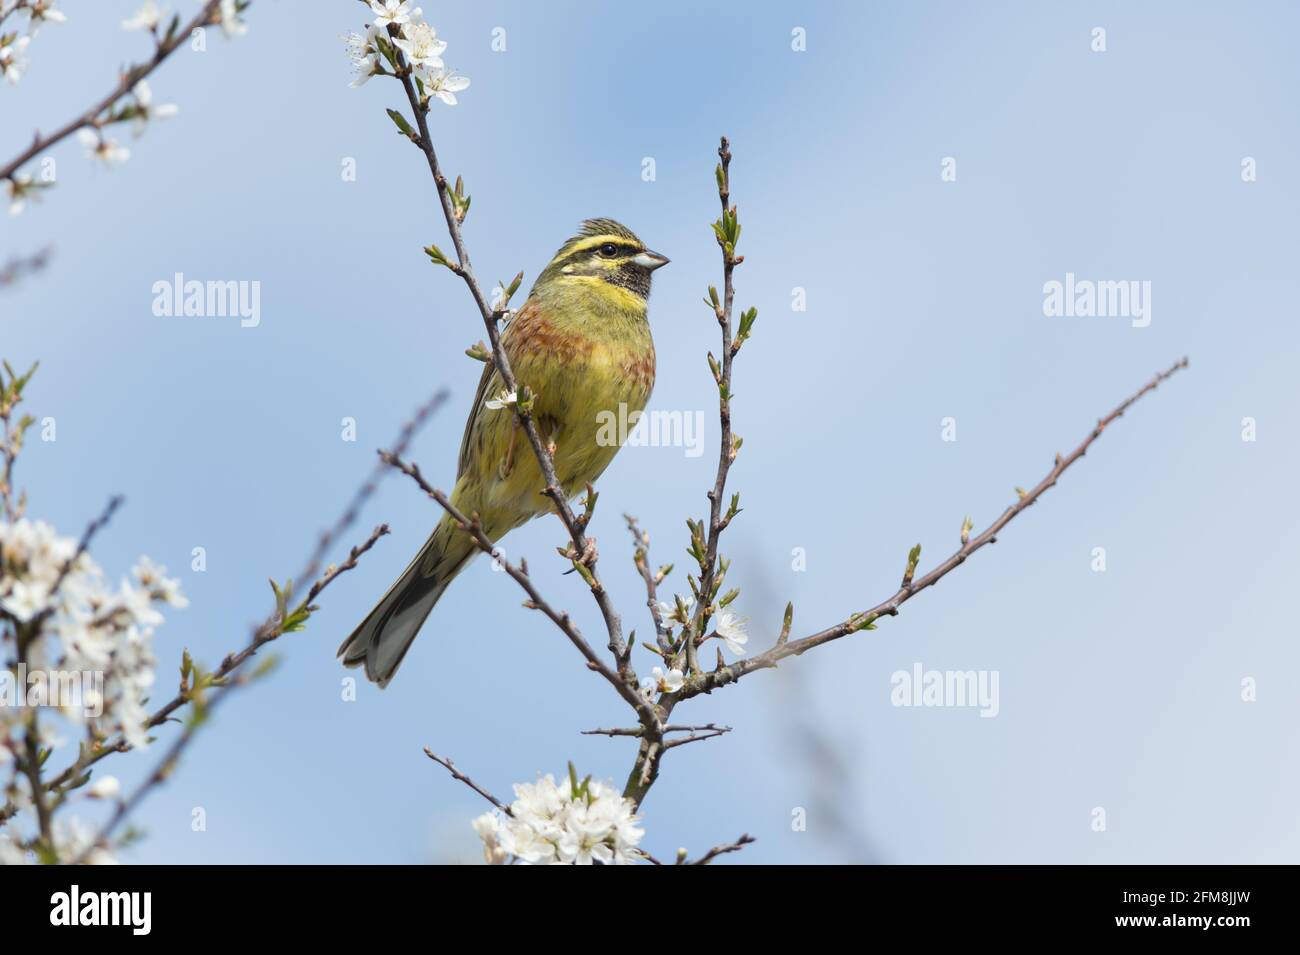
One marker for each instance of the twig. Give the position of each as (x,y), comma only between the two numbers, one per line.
(19,266)
(641,559)
(456,774)
(83,545)
(744,840)
(645,769)
(726,452)
(698,734)
(712,729)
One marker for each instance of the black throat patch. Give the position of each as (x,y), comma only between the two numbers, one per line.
(632,277)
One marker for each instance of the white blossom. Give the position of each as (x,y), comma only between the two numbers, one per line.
(20,188)
(107,151)
(161,587)
(363,51)
(105,787)
(145,108)
(493,833)
(668,610)
(669,682)
(503,400)
(73,839)
(11,854)
(87,627)
(148,17)
(731,629)
(394,12)
(26,598)
(13,58)
(420,43)
(566,824)
(442,83)
(42,11)
(231,25)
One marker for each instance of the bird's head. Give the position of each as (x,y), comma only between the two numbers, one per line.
(604,251)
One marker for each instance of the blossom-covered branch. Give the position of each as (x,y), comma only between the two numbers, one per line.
(109,109)
(203,706)
(271,629)
(62,620)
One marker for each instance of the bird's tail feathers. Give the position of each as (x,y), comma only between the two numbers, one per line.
(382,639)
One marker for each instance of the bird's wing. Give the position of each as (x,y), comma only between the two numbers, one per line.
(489,381)
(489,370)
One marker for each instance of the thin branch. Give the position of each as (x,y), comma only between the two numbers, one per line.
(744,840)
(18,267)
(712,729)
(726,452)
(704,732)
(456,774)
(889,607)
(83,545)
(645,769)
(641,559)
(132,75)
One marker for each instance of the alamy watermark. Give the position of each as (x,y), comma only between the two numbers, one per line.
(178,297)
(651,429)
(1085,298)
(64,689)
(946,688)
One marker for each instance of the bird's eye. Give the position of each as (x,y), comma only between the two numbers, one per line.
(609,250)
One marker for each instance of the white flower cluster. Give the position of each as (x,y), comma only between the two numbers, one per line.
(13,45)
(140,109)
(72,839)
(416,40)
(726,624)
(82,626)
(570,824)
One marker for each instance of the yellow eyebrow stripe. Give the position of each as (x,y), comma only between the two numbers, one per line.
(595,241)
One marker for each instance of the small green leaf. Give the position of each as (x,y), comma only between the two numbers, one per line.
(403,126)
(435,255)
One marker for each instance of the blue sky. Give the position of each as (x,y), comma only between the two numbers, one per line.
(1119,690)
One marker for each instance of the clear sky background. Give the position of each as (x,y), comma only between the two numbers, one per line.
(1119,690)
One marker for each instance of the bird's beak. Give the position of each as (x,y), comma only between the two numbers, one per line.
(650,260)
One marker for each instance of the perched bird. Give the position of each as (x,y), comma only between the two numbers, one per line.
(581,343)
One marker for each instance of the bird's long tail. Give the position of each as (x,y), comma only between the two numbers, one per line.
(382,639)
